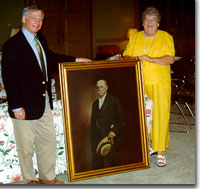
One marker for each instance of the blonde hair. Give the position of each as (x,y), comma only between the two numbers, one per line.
(151,11)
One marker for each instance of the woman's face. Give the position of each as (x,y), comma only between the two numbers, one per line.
(150,24)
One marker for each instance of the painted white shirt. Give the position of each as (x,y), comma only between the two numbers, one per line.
(101,101)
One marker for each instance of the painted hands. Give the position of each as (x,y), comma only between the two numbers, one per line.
(111,137)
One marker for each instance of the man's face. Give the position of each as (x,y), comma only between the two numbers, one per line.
(33,22)
(101,88)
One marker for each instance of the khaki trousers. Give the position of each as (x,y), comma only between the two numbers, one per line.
(41,134)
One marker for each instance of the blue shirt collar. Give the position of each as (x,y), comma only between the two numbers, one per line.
(29,36)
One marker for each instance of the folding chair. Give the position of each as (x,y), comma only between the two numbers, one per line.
(183,92)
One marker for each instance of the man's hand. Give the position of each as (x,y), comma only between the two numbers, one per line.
(111,137)
(83,60)
(20,114)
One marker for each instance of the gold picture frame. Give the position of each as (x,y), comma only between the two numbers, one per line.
(78,84)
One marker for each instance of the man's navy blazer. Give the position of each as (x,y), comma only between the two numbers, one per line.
(22,77)
(109,118)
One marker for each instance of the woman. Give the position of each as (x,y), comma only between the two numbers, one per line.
(155,49)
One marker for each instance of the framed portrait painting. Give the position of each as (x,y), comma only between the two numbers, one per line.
(104,118)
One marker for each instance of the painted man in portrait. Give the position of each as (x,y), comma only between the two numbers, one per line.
(106,122)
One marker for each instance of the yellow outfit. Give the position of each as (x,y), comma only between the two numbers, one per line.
(157,81)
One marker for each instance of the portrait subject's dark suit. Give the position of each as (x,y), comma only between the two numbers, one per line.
(23,79)
(108,118)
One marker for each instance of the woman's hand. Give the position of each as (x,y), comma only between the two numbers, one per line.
(126,57)
(164,60)
(146,58)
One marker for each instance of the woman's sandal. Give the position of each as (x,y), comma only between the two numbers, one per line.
(161,161)
(151,151)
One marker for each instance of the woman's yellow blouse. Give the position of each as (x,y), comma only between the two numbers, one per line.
(162,45)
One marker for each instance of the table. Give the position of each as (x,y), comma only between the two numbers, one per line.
(9,163)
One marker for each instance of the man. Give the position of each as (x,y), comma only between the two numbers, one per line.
(106,122)
(26,67)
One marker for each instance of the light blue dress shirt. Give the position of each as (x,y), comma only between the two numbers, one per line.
(31,41)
